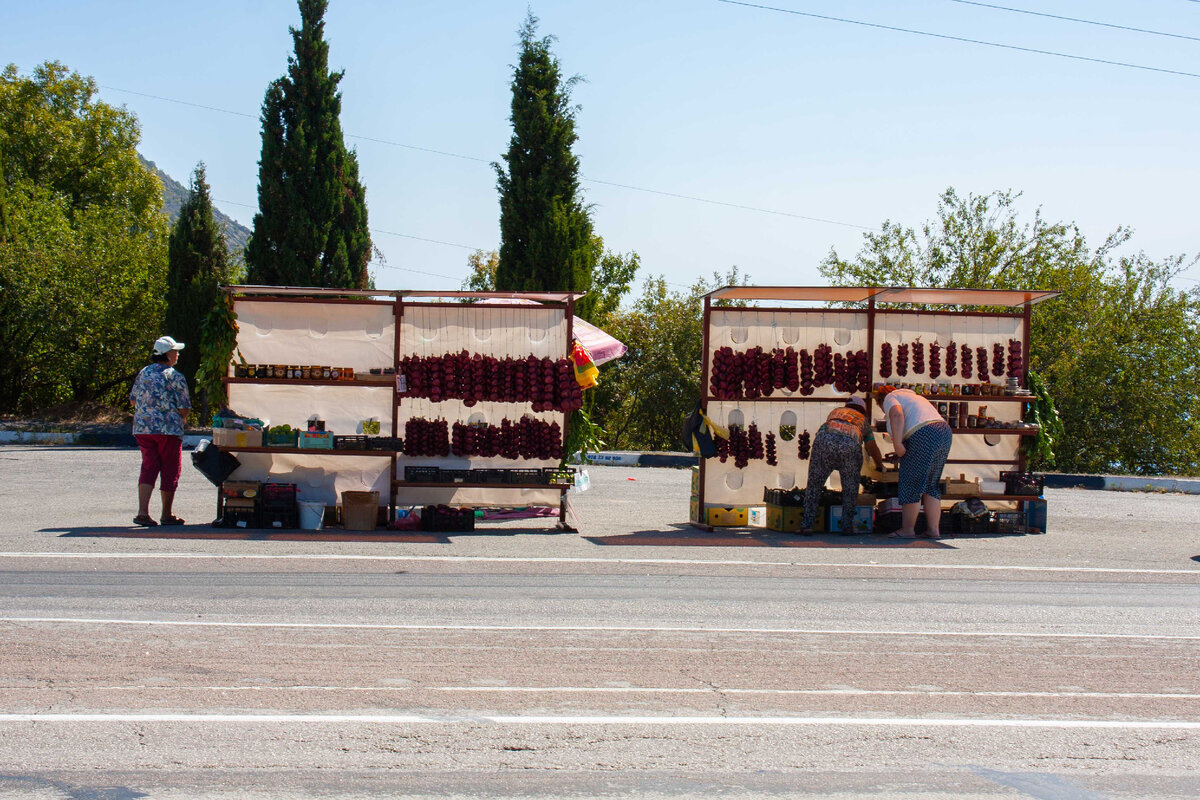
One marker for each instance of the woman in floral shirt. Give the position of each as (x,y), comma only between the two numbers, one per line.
(161,404)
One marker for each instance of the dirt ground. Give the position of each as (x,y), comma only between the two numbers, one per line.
(80,416)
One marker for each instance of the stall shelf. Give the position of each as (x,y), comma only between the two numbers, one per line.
(365,330)
(851,320)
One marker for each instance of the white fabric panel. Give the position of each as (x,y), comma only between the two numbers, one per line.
(489,331)
(342,407)
(943,328)
(319,478)
(409,495)
(744,328)
(357,335)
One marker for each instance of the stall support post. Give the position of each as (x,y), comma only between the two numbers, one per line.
(872,367)
(701,521)
(562,498)
(398,315)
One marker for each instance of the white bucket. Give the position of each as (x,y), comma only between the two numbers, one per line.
(312,515)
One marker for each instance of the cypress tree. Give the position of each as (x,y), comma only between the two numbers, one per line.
(545,229)
(311,227)
(197,263)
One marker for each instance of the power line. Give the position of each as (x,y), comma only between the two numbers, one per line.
(486,161)
(1077,19)
(962,38)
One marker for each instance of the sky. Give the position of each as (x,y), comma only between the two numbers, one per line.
(711,133)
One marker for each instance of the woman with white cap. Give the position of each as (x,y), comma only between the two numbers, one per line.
(839,445)
(161,404)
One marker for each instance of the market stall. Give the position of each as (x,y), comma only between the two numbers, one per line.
(411,399)
(772,372)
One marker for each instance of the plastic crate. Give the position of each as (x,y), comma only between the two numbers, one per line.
(1009,522)
(1028,484)
(278,497)
(455,475)
(280,438)
(350,442)
(558,477)
(239,518)
(391,443)
(315,440)
(422,474)
(523,476)
(788,498)
(279,520)
(487,476)
(446,519)
(243,489)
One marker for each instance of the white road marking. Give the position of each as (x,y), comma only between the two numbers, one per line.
(371,626)
(501,719)
(636,561)
(641,690)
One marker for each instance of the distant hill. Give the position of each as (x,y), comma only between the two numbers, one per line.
(174,193)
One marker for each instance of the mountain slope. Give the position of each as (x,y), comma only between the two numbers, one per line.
(174,193)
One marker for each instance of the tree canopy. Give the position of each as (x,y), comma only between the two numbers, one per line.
(197,265)
(545,229)
(83,245)
(1116,349)
(311,226)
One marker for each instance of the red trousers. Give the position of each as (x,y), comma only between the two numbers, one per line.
(162,454)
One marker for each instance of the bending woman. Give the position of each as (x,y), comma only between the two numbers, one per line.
(922,442)
(839,445)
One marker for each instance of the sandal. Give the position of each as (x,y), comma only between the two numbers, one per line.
(928,535)
(172,520)
(898,535)
(145,521)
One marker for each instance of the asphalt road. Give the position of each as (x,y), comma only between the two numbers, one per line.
(639,658)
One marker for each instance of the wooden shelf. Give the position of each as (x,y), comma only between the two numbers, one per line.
(562,487)
(1000,431)
(986,497)
(389,381)
(933,398)
(310,451)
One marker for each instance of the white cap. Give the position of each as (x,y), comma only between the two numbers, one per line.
(164,344)
(858,402)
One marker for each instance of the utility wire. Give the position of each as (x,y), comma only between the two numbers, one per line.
(1077,19)
(486,161)
(963,39)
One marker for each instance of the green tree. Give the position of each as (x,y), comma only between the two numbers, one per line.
(545,229)
(311,227)
(197,264)
(483,271)
(1116,350)
(643,398)
(83,257)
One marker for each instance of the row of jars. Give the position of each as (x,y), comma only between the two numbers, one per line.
(293,372)
(953,389)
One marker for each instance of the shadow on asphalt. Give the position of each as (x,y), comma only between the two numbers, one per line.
(208,532)
(689,536)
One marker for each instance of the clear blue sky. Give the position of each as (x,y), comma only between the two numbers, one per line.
(806,117)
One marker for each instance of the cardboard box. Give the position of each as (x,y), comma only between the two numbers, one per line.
(695,480)
(728,517)
(232,437)
(864,519)
(694,510)
(785,519)
(757,517)
(241,489)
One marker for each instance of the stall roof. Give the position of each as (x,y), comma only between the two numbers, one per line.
(887,294)
(404,294)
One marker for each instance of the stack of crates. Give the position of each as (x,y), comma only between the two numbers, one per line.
(237,504)
(785,510)
(278,507)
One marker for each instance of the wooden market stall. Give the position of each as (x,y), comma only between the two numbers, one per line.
(410,388)
(774,372)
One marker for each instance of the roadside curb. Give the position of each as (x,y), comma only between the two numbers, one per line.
(86,439)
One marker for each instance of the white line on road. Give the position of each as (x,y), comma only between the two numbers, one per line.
(372,626)
(636,561)
(407,719)
(58,686)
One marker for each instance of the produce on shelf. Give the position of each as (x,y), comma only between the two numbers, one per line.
(755,373)
(885,360)
(918,357)
(807,378)
(547,384)
(902,360)
(935,359)
(981,362)
(423,437)
(1016,359)
(823,365)
(998,359)
(967,368)
(951,359)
